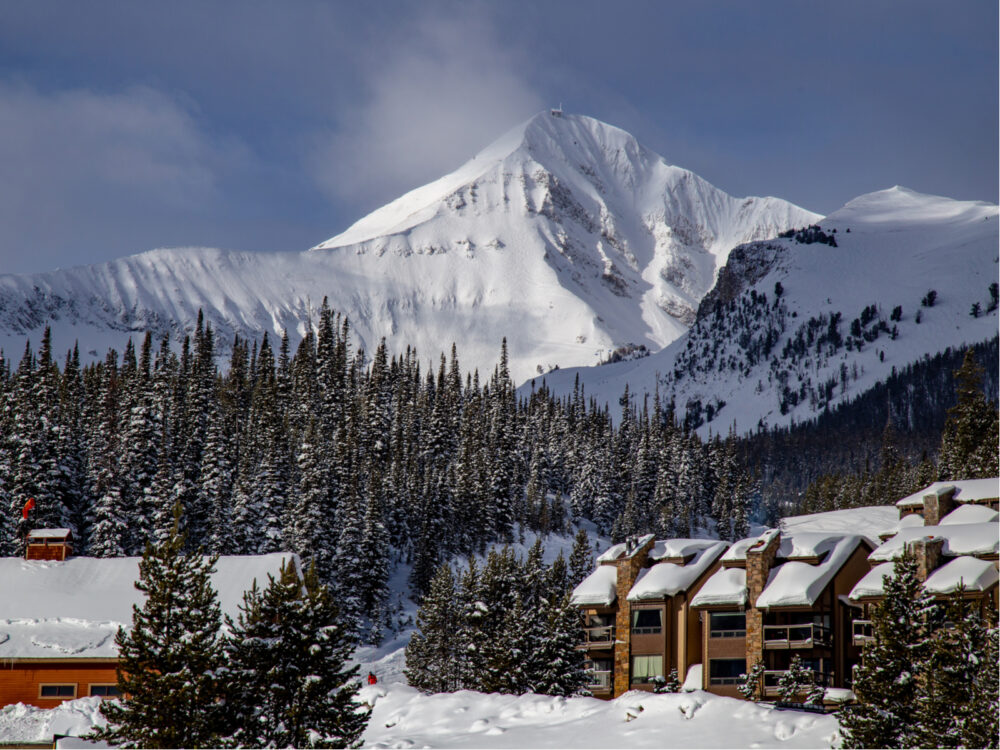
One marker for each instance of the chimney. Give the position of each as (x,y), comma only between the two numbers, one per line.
(760,559)
(629,565)
(938,504)
(927,553)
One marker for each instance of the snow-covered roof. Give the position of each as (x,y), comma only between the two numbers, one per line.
(972,573)
(738,551)
(800,583)
(49,533)
(669,579)
(806,544)
(960,539)
(966,491)
(969,514)
(906,522)
(872,584)
(72,608)
(870,522)
(599,588)
(664,548)
(725,586)
(616,551)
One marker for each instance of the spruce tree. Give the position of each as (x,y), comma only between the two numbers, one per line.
(168,660)
(887,682)
(286,656)
(431,659)
(969,441)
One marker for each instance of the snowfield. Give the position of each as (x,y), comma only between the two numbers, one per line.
(403,717)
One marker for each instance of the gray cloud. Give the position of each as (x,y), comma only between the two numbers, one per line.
(76,160)
(445,89)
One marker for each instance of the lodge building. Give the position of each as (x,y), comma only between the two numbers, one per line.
(718,609)
(59,615)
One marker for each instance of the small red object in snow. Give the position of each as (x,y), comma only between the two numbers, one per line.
(371,678)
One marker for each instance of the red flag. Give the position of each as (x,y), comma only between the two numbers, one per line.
(27,506)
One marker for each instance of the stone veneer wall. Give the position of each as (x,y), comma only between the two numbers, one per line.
(628,570)
(759,562)
(937,505)
(927,553)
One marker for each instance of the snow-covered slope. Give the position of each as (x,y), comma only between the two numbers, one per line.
(565,235)
(762,359)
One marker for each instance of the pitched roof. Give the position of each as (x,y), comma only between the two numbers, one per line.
(960,539)
(669,579)
(966,491)
(73,608)
(725,586)
(794,583)
(598,589)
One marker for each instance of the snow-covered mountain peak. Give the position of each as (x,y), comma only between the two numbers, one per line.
(565,235)
(907,208)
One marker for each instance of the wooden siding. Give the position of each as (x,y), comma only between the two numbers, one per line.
(20,681)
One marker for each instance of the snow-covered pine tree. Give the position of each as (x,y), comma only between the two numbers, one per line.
(958,695)
(168,659)
(309,521)
(797,680)
(887,682)
(581,559)
(286,657)
(430,655)
(969,441)
(561,670)
(751,685)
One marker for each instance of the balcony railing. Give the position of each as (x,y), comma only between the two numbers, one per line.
(861,632)
(772,676)
(806,635)
(598,636)
(599,679)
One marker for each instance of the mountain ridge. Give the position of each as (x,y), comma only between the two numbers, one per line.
(565,235)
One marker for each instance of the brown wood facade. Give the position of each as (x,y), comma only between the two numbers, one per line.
(22,680)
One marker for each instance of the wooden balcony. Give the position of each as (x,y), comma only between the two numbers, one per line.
(597,637)
(805,635)
(861,632)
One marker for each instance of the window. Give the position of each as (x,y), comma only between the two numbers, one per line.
(726,671)
(727,625)
(66,690)
(645,668)
(645,621)
(105,690)
(600,673)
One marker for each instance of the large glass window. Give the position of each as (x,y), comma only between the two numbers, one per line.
(645,621)
(105,691)
(645,668)
(727,625)
(726,671)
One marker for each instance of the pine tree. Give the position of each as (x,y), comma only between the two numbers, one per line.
(796,680)
(561,664)
(958,696)
(430,655)
(751,686)
(887,682)
(969,441)
(286,658)
(581,559)
(169,658)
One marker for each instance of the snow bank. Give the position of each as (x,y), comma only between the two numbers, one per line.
(23,723)
(669,579)
(405,718)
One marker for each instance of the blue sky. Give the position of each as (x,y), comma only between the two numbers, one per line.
(273,126)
